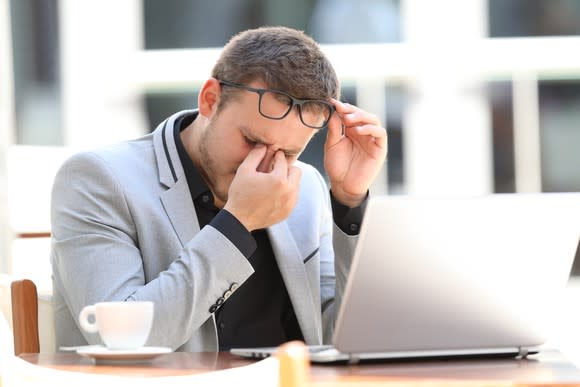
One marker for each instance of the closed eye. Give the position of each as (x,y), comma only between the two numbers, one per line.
(288,154)
(250,141)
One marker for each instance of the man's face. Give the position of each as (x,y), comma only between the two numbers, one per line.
(236,129)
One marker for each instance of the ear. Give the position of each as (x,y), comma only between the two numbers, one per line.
(208,97)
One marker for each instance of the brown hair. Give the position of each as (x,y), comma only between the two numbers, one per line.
(284,58)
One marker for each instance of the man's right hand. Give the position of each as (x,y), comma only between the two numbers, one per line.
(264,190)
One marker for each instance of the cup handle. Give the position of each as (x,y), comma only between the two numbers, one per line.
(84,319)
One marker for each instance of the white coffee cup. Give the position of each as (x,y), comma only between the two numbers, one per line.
(122,325)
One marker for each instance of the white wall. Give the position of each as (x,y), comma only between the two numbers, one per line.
(6,127)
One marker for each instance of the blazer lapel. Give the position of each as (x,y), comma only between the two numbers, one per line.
(180,210)
(295,277)
(177,198)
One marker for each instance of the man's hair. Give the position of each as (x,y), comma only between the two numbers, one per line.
(283,58)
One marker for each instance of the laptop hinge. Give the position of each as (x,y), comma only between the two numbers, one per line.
(353,359)
(523,352)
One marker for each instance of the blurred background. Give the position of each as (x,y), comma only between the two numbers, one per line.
(478,96)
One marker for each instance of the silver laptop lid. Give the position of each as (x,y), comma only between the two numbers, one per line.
(457,273)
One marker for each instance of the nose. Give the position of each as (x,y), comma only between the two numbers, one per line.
(266,164)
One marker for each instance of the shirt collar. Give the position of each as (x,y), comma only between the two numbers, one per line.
(197,185)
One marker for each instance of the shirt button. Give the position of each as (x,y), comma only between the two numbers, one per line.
(221,325)
(205,198)
(353,227)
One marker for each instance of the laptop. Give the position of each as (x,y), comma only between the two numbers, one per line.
(453,277)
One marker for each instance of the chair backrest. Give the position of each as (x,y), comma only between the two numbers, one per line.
(25,317)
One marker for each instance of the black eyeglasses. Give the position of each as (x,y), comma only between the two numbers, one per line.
(276,104)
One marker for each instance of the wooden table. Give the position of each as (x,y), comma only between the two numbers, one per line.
(549,368)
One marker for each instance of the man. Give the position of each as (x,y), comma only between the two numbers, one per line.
(212,217)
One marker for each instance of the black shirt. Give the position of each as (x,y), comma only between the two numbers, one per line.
(258,313)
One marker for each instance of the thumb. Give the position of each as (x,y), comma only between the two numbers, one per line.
(254,158)
(334,134)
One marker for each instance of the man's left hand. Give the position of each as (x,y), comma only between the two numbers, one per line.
(354,152)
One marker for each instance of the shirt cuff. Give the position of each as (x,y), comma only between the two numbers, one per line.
(232,229)
(346,218)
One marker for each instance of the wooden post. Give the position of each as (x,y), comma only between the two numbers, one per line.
(294,364)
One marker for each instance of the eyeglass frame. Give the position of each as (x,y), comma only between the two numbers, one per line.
(295,102)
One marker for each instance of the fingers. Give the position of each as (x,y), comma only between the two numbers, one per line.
(272,162)
(361,123)
(288,174)
(254,158)
(259,199)
(265,165)
(335,130)
(378,134)
(352,115)
(280,167)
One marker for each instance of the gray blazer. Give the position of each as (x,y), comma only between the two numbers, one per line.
(124,228)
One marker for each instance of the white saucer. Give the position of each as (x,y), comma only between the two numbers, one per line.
(99,352)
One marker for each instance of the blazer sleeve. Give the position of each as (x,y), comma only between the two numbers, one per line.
(96,255)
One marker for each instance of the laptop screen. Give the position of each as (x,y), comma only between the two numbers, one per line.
(457,273)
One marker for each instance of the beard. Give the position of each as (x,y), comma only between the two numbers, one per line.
(208,168)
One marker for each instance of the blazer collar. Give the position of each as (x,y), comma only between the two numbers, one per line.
(168,162)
